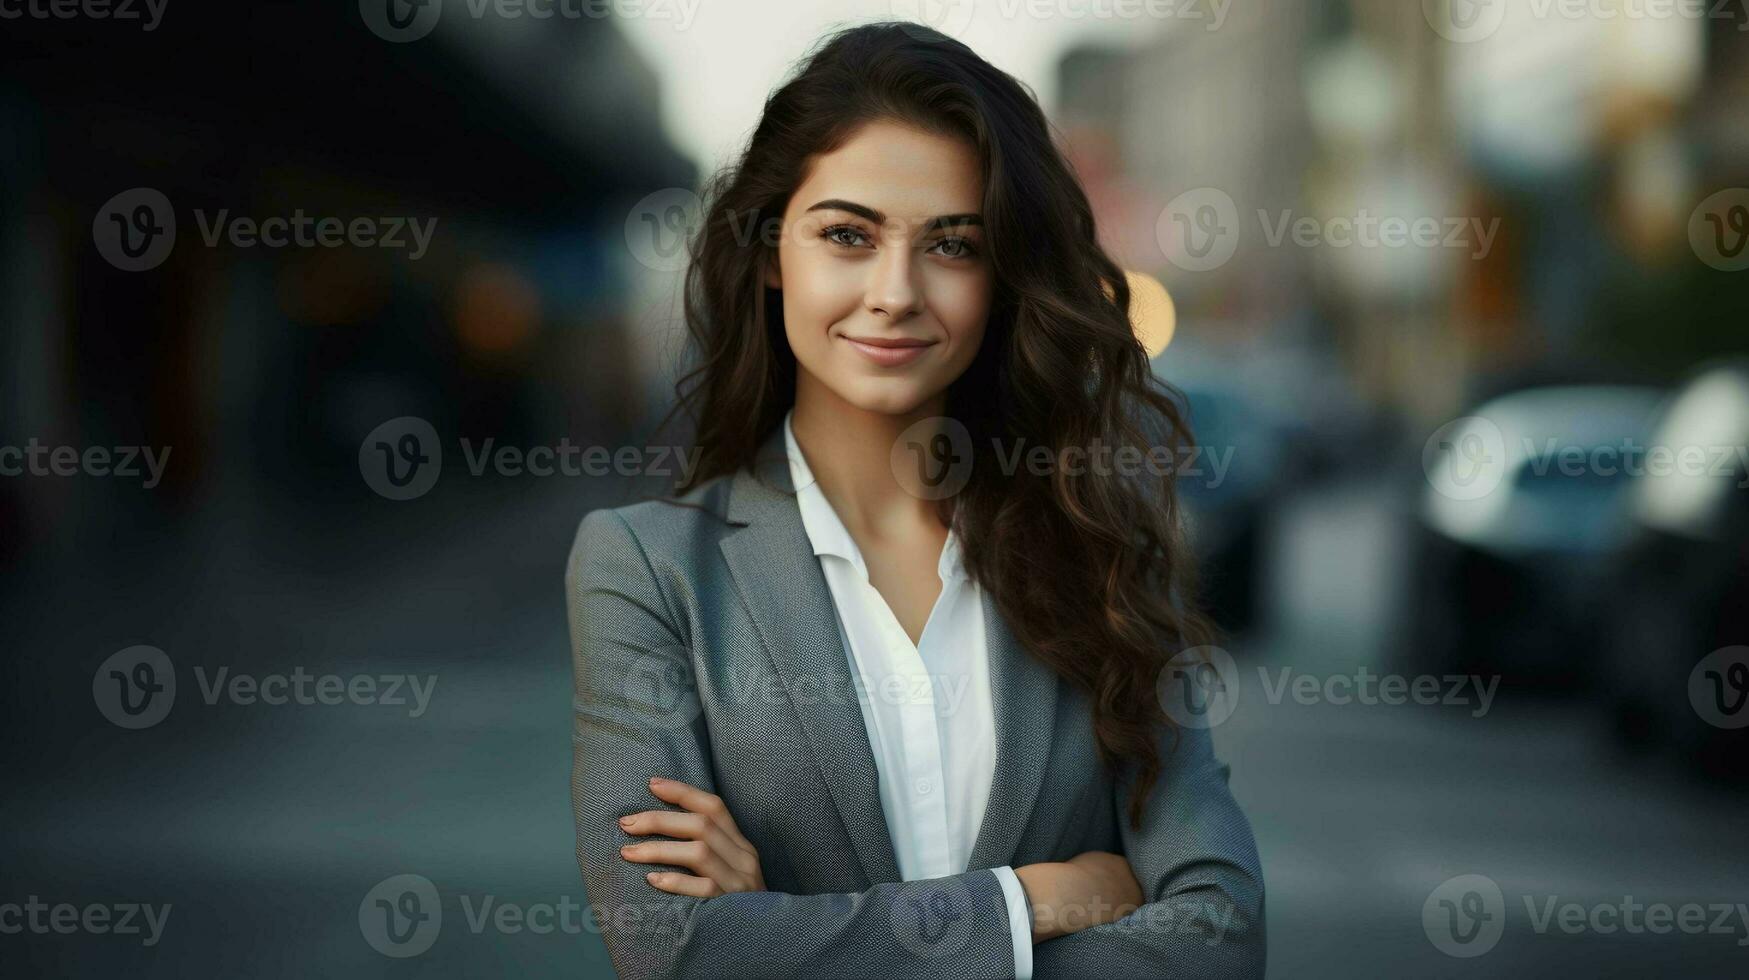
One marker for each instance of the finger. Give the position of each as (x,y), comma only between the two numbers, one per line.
(698,801)
(679,884)
(673,823)
(693,826)
(685,824)
(695,855)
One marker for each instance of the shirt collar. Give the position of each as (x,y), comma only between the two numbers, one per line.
(827,533)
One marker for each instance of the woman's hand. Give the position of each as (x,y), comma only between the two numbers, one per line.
(1090,889)
(710,844)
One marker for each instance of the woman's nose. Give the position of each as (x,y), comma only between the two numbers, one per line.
(893,287)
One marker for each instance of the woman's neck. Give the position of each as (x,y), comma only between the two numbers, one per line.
(849,451)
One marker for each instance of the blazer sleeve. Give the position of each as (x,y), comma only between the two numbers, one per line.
(636,714)
(1197,863)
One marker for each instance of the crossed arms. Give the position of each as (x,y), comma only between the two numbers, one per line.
(1194,855)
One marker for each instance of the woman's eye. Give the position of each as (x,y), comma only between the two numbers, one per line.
(836,235)
(958,248)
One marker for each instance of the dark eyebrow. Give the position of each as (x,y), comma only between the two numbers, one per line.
(863,211)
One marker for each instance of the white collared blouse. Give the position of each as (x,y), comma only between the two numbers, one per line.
(927,706)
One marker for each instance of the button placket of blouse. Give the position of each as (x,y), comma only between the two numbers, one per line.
(923,732)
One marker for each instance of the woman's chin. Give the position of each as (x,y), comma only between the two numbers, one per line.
(887,396)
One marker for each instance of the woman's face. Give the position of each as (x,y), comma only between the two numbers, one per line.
(883,245)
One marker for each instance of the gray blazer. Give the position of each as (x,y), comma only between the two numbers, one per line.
(706,649)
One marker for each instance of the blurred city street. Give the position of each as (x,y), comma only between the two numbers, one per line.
(280,821)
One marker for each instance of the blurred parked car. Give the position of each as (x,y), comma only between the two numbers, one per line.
(1520,511)
(1228,487)
(1681,587)
(1228,491)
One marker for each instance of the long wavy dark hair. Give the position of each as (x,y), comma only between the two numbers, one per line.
(1090,570)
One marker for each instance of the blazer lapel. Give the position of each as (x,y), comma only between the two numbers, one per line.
(785,593)
(1023,694)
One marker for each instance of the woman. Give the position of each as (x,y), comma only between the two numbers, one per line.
(875,693)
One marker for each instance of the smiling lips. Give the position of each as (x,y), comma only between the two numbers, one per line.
(890,351)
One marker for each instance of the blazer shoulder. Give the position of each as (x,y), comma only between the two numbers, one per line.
(664,527)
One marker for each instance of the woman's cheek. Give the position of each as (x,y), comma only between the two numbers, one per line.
(828,292)
(963,304)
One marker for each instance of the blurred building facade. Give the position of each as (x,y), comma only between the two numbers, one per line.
(522,143)
(1569,155)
